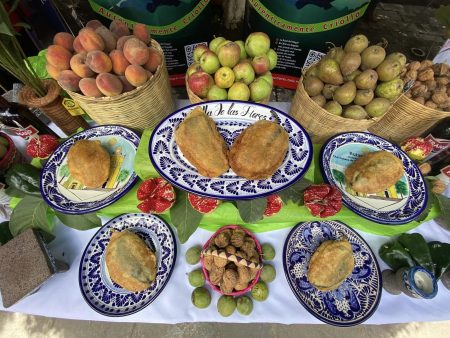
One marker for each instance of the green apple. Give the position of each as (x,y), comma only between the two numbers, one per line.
(224,77)
(215,43)
(223,43)
(244,72)
(260,89)
(273,58)
(198,52)
(239,91)
(260,64)
(195,67)
(229,54)
(257,44)
(217,93)
(3,150)
(268,77)
(242,47)
(209,62)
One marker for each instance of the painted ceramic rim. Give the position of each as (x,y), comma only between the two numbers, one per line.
(264,194)
(380,284)
(362,214)
(408,277)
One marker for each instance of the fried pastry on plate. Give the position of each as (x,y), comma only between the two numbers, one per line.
(331,264)
(374,172)
(130,262)
(202,145)
(259,150)
(88,162)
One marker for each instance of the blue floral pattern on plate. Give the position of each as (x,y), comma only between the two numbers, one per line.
(51,187)
(356,299)
(411,205)
(99,291)
(231,118)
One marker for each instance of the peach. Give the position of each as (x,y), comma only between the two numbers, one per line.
(109,84)
(126,85)
(119,28)
(94,24)
(108,38)
(154,60)
(136,75)
(98,61)
(53,71)
(64,39)
(141,32)
(58,57)
(119,62)
(77,46)
(90,40)
(68,80)
(79,66)
(89,87)
(136,51)
(121,41)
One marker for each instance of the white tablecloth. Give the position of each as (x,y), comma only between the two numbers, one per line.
(60,297)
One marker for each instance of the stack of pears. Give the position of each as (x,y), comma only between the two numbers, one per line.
(358,81)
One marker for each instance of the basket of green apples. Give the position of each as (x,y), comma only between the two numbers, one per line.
(230,70)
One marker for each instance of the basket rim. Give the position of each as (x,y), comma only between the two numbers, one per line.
(10,150)
(205,272)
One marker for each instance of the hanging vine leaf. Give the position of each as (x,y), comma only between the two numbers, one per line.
(440,253)
(80,222)
(23,179)
(294,193)
(184,217)
(252,210)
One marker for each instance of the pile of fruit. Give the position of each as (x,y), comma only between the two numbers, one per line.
(431,87)
(358,81)
(4,145)
(101,61)
(233,70)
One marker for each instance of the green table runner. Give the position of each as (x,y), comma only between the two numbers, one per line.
(227,213)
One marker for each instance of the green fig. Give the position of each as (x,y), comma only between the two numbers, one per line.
(398,57)
(363,97)
(389,69)
(352,76)
(346,93)
(390,90)
(319,99)
(350,63)
(328,90)
(367,79)
(333,108)
(355,112)
(372,56)
(356,44)
(329,72)
(377,107)
(313,85)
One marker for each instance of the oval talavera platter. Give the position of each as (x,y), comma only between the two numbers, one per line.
(97,288)
(357,298)
(231,118)
(398,204)
(65,194)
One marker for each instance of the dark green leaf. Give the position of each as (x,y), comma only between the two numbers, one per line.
(424,214)
(30,212)
(395,255)
(24,177)
(5,234)
(443,15)
(444,206)
(4,29)
(252,210)
(440,253)
(13,192)
(184,217)
(80,222)
(417,247)
(294,193)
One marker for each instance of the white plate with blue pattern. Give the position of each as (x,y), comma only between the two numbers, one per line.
(357,298)
(65,194)
(231,118)
(97,288)
(398,204)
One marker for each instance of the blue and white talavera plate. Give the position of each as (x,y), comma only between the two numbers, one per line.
(398,204)
(357,298)
(65,194)
(231,118)
(107,297)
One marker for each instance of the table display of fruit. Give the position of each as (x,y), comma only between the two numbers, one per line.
(103,62)
(431,84)
(233,70)
(356,82)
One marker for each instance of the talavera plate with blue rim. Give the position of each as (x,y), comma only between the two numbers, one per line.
(357,298)
(398,204)
(65,194)
(97,288)
(231,118)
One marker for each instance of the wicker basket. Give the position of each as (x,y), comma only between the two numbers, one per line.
(406,118)
(232,258)
(139,109)
(319,123)
(195,99)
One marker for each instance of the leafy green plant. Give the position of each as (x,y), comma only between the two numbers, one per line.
(443,15)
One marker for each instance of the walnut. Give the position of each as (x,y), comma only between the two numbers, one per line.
(222,240)
(241,254)
(241,286)
(425,64)
(237,238)
(253,273)
(208,262)
(248,247)
(212,247)
(231,265)
(415,65)
(230,249)
(230,278)
(255,257)
(220,262)
(216,274)
(244,274)
(226,289)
